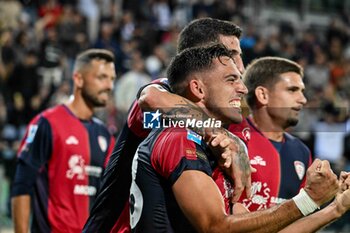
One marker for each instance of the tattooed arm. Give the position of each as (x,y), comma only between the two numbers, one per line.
(230,150)
(240,170)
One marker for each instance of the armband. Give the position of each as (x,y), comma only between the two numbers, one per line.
(304,203)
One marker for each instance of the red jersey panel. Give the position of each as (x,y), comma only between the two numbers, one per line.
(281,166)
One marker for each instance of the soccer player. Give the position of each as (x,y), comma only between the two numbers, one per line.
(275,97)
(114,195)
(64,152)
(172,189)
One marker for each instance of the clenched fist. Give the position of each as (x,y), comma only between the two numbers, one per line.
(321,183)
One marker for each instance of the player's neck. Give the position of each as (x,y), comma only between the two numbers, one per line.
(80,109)
(267,126)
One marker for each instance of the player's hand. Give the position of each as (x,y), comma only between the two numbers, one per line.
(233,159)
(342,199)
(321,183)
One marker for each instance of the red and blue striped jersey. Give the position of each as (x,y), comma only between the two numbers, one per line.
(60,163)
(281,166)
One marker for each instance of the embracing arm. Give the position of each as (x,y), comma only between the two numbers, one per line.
(206,210)
(176,107)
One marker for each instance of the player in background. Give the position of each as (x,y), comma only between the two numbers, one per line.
(275,97)
(64,152)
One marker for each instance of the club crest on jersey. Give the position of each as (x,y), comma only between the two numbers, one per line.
(246,133)
(299,169)
(102,142)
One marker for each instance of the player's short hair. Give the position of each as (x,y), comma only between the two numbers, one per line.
(84,58)
(266,72)
(206,31)
(191,60)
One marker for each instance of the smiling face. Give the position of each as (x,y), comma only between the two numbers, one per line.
(98,81)
(224,89)
(286,99)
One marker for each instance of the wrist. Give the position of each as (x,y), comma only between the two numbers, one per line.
(339,208)
(305,203)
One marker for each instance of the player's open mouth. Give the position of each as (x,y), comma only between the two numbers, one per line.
(105,94)
(235,103)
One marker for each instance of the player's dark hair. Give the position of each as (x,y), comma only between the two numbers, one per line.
(266,72)
(191,60)
(84,58)
(205,31)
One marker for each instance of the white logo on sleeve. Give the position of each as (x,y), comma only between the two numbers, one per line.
(76,165)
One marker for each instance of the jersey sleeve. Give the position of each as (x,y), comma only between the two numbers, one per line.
(34,152)
(176,151)
(110,150)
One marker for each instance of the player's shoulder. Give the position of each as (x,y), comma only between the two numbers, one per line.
(55,111)
(292,138)
(295,141)
(161,82)
(97,121)
(99,124)
(241,130)
(45,115)
(179,134)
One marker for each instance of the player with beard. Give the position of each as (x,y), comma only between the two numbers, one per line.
(64,152)
(275,97)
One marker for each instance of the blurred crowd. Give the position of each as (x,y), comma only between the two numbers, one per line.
(40,39)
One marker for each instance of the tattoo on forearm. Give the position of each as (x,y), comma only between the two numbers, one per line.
(184,110)
(242,158)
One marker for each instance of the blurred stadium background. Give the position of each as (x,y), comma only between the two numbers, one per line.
(40,38)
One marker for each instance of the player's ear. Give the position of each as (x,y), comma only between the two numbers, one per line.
(196,90)
(262,95)
(78,79)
